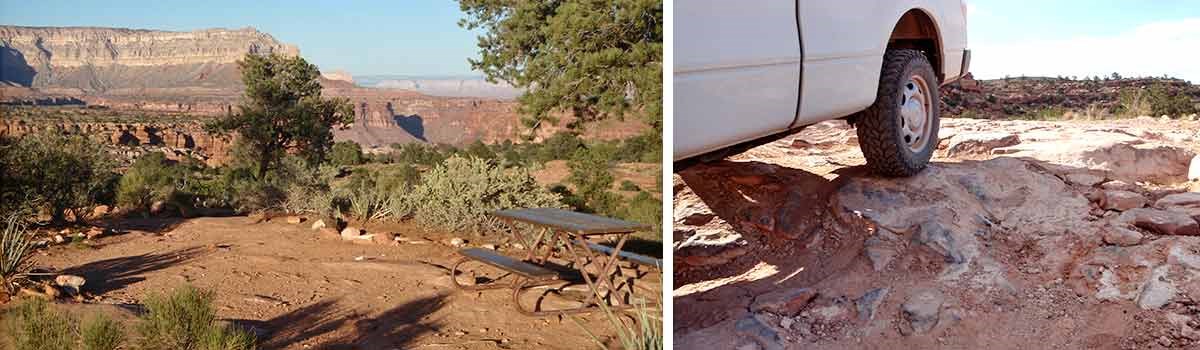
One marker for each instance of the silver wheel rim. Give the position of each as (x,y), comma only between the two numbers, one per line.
(916,112)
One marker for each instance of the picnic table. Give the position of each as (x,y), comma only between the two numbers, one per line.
(566,235)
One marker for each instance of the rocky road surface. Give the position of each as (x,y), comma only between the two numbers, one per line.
(1019,235)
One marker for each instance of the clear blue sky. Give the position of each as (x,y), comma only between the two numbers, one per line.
(1085,37)
(408,37)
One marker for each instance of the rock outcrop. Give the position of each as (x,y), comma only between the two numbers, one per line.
(99,59)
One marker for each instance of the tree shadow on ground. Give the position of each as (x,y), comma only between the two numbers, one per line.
(326,325)
(113,274)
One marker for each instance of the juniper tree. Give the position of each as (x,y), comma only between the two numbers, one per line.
(596,59)
(282,111)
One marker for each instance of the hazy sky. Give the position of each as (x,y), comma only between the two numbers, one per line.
(1085,37)
(409,37)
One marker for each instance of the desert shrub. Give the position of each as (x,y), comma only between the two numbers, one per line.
(644,148)
(644,209)
(346,153)
(186,319)
(1155,100)
(418,153)
(151,178)
(627,185)
(561,145)
(101,333)
(458,194)
(53,172)
(591,175)
(16,251)
(33,324)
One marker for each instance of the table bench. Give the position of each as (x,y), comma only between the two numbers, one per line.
(561,231)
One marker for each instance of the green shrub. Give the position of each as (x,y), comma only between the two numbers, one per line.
(627,185)
(53,172)
(33,324)
(346,153)
(459,194)
(152,178)
(16,251)
(592,179)
(101,333)
(645,209)
(186,320)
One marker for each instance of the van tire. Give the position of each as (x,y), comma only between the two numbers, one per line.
(888,142)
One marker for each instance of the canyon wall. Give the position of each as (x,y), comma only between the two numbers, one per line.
(100,59)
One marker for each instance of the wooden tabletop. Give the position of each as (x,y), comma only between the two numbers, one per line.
(565,220)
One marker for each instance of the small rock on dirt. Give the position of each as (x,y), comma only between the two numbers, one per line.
(293,219)
(488,246)
(751,326)
(787,302)
(351,232)
(59,239)
(1123,200)
(869,303)
(457,242)
(72,283)
(1162,221)
(1121,236)
(1157,291)
(100,210)
(922,312)
(319,224)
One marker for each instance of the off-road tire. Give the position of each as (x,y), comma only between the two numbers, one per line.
(879,129)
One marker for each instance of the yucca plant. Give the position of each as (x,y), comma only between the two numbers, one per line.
(644,332)
(16,248)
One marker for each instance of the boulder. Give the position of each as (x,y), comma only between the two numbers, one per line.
(1085,179)
(72,283)
(1121,236)
(979,143)
(1123,200)
(1186,203)
(922,312)
(101,210)
(351,232)
(1162,221)
(786,302)
(319,224)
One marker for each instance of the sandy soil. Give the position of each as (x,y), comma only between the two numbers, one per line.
(301,289)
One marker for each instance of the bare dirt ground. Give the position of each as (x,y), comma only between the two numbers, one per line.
(298,288)
(1019,235)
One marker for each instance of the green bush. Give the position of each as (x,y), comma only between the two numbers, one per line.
(101,333)
(459,194)
(627,185)
(1154,101)
(186,320)
(592,179)
(53,172)
(645,209)
(346,153)
(33,324)
(151,178)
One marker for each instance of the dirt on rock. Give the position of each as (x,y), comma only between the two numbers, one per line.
(302,288)
(1006,241)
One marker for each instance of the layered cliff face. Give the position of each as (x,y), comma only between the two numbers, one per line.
(99,59)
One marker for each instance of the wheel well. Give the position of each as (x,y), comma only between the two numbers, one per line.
(916,30)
